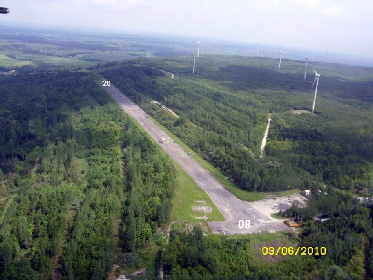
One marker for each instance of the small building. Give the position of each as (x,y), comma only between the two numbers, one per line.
(321,218)
(306,192)
(292,223)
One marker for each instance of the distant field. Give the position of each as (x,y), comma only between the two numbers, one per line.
(51,48)
(112,55)
(33,59)
(50,59)
(10,62)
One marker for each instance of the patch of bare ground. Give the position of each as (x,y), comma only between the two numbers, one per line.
(273,204)
(298,112)
(114,272)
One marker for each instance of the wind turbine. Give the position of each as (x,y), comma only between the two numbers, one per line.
(317,76)
(194,59)
(257,50)
(198,48)
(279,64)
(305,72)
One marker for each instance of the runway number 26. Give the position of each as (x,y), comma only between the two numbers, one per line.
(106,83)
(243,224)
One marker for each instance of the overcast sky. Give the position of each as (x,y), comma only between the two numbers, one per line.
(334,25)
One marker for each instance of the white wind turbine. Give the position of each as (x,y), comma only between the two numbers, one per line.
(194,59)
(257,50)
(279,64)
(198,48)
(305,72)
(317,76)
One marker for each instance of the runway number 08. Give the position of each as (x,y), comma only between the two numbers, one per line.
(243,224)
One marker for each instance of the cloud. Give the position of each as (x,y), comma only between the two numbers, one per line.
(310,4)
(334,11)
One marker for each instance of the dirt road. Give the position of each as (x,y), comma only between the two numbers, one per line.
(229,205)
(264,141)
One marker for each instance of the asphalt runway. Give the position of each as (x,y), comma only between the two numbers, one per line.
(232,208)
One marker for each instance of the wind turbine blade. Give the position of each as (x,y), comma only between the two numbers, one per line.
(305,72)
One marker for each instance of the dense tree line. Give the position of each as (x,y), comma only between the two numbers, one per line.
(347,237)
(223,113)
(347,233)
(79,181)
(150,187)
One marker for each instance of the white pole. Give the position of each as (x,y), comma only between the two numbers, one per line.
(314,99)
(194,61)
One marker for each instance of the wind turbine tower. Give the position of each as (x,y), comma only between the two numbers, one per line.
(194,60)
(279,64)
(198,48)
(305,72)
(257,50)
(317,76)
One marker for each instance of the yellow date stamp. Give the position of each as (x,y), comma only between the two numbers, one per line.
(290,251)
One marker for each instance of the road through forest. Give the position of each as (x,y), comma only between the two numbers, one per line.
(232,208)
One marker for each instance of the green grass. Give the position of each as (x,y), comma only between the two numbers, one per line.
(110,55)
(277,216)
(185,226)
(240,193)
(32,59)
(51,59)
(187,192)
(10,62)
(150,256)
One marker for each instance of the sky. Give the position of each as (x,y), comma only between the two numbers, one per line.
(334,25)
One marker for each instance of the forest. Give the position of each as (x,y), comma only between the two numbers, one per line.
(223,111)
(81,186)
